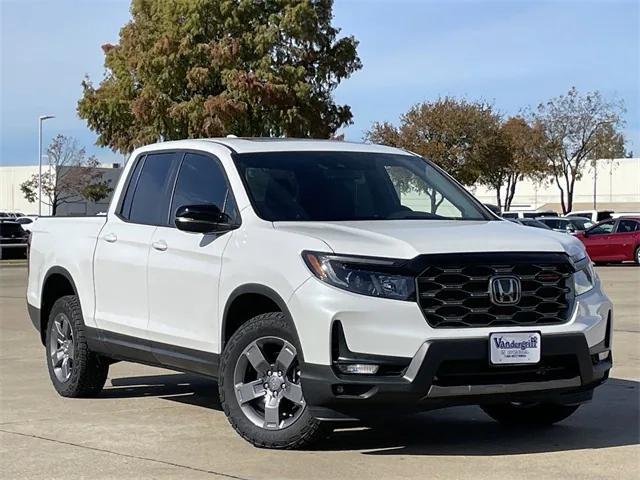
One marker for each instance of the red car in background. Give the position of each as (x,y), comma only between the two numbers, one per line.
(614,240)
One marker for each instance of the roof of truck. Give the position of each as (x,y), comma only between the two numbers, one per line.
(264,144)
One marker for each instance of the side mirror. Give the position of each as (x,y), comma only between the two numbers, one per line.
(24,220)
(203,219)
(494,208)
(571,229)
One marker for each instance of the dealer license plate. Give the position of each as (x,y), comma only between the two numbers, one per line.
(514,347)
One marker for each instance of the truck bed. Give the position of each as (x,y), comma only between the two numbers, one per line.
(68,244)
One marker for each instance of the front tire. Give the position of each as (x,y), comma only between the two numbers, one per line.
(636,256)
(260,385)
(536,414)
(75,371)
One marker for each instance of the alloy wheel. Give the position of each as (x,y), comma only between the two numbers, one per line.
(267,383)
(61,347)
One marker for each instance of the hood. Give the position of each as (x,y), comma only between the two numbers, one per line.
(409,238)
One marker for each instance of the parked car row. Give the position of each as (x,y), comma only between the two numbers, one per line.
(615,237)
(558,224)
(569,224)
(13,234)
(13,239)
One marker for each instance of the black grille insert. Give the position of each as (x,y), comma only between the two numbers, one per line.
(453,291)
(474,372)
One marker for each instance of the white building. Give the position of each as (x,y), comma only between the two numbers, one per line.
(12,199)
(616,186)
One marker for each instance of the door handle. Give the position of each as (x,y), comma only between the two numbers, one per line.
(160,245)
(110,237)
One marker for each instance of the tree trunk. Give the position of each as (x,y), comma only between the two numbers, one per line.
(511,192)
(570,189)
(562,202)
(498,196)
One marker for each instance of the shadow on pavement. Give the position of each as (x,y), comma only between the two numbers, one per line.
(611,419)
(178,387)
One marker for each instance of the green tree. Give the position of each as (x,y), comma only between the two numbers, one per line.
(516,154)
(203,68)
(578,128)
(454,134)
(69,175)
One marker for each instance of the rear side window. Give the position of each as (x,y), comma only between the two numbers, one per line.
(201,181)
(152,192)
(554,223)
(125,210)
(628,226)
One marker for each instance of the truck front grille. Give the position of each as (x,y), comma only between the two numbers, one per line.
(453,290)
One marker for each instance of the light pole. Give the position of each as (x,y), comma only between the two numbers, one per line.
(41,119)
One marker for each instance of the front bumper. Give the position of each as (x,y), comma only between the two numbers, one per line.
(380,326)
(456,372)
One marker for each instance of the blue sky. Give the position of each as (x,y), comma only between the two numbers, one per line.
(512,53)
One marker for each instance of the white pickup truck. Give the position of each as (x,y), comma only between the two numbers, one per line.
(318,282)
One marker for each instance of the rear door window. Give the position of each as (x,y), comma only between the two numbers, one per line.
(627,226)
(152,193)
(125,209)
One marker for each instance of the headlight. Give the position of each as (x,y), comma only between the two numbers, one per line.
(584,279)
(375,277)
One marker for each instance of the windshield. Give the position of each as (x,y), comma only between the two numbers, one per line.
(343,186)
(581,223)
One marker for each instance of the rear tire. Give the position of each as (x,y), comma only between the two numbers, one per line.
(538,414)
(260,386)
(636,256)
(75,371)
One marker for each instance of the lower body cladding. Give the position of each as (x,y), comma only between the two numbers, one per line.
(448,372)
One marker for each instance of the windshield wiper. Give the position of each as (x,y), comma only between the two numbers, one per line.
(411,215)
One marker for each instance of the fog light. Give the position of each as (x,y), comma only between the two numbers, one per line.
(358,368)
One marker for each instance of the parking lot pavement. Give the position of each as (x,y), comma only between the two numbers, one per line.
(153,423)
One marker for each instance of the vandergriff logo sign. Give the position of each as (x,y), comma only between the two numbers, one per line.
(532,342)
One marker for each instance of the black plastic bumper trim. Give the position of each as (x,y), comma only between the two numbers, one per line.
(342,355)
(436,391)
(34,315)
(326,391)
